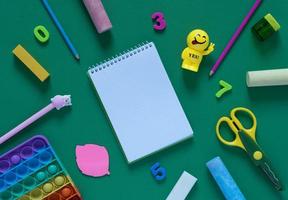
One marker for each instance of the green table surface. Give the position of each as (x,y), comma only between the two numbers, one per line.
(85,122)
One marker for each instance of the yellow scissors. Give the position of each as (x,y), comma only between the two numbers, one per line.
(245,138)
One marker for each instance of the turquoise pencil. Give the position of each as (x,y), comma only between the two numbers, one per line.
(61,30)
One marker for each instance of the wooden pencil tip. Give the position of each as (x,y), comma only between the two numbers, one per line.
(211,73)
(77,57)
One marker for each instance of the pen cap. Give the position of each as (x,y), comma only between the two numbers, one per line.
(98,15)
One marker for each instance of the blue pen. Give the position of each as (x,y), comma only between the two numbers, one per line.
(60,28)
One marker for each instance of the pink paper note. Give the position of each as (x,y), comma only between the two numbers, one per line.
(92,160)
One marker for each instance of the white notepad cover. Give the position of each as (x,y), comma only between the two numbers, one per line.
(140,102)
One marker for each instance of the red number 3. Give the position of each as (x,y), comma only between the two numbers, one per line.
(160,21)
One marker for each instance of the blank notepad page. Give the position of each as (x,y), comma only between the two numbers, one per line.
(140,102)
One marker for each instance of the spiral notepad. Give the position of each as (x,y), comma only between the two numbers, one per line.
(140,102)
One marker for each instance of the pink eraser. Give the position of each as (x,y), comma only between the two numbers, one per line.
(92,160)
(98,15)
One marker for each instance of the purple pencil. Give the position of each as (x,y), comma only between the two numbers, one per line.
(235,37)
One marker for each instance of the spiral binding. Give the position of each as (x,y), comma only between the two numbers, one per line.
(119,57)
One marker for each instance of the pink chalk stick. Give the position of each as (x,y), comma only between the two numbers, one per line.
(92,160)
(98,15)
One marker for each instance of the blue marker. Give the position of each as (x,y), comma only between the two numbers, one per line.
(224,180)
(60,28)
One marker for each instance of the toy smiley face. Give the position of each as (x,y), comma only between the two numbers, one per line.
(198,46)
(198,40)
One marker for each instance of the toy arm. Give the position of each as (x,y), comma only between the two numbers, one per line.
(185,53)
(209,50)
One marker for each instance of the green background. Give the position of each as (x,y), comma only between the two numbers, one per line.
(85,122)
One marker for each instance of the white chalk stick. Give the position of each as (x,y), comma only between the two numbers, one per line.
(267,78)
(182,187)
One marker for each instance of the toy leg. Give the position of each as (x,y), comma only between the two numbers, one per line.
(190,66)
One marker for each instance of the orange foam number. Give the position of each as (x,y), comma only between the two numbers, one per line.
(160,24)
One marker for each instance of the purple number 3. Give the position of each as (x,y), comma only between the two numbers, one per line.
(160,21)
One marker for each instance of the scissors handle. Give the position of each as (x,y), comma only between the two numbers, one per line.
(245,139)
(236,141)
(251,131)
(235,125)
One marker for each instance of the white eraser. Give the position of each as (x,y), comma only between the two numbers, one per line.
(183,186)
(267,78)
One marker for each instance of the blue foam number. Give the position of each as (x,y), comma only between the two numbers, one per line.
(159,173)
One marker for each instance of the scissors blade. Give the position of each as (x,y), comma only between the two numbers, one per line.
(267,169)
(249,144)
(251,147)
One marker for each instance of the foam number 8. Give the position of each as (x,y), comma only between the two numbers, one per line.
(41,34)
(159,173)
(158,17)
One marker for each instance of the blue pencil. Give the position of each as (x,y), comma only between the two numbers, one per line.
(60,28)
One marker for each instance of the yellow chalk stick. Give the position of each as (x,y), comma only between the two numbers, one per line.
(31,63)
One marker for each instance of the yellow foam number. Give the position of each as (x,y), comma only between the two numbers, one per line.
(31,63)
(41,34)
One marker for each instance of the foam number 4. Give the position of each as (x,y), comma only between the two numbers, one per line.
(160,24)
(159,173)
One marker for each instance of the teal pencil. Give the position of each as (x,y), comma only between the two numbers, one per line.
(61,30)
